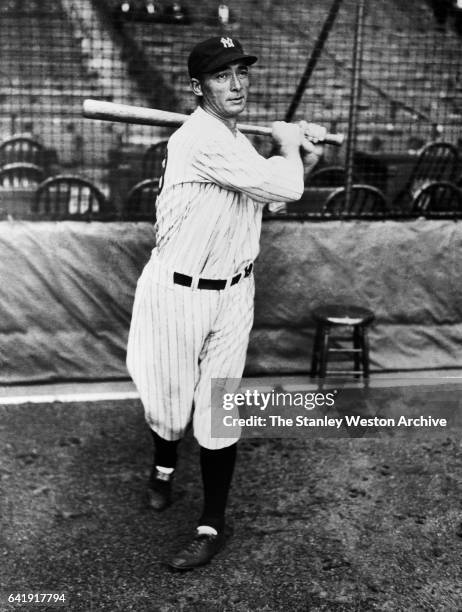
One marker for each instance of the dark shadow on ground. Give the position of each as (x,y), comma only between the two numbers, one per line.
(318,525)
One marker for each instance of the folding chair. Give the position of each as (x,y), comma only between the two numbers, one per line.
(366,201)
(140,204)
(21,175)
(438,199)
(21,149)
(71,197)
(152,160)
(437,161)
(329,176)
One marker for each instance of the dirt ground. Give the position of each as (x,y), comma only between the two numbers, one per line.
(315,525)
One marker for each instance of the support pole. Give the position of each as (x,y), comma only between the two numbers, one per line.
(313,60)
(354,100)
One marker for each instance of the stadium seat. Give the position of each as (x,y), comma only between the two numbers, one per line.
(151,11)
(21,175)
(438,199)
(21,149)
(366,201)
(176,13)
(437,161)
(140,204)
(71,197)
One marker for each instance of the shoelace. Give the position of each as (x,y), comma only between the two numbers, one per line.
(198,542)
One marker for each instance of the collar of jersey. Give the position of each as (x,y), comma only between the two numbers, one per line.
(202,114)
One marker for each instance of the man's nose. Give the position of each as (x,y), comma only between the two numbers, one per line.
(236,82)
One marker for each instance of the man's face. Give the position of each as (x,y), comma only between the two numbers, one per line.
(224,92)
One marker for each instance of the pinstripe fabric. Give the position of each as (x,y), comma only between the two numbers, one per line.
(179,340)
(209,209)
(208,225)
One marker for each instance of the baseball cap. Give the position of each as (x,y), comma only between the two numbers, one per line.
(214,53)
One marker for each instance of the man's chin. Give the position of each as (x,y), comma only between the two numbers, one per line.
(236,109)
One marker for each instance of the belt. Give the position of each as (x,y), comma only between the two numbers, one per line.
(211,283)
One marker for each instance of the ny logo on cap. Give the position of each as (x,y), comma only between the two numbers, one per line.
(227,42)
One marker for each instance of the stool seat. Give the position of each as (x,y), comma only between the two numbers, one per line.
(341,314)
(337,315)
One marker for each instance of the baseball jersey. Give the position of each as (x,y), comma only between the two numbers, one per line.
(214,187)
(208,225)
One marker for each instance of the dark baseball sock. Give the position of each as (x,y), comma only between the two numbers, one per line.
(217,468)
(165,451)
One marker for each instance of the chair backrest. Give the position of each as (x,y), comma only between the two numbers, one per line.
(437,161)
(329,176)
(366,201)
(70,197)
(153,158)
(21,175)
(21,149)
(440,198)
(140,203)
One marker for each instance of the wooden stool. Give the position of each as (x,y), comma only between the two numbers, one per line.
(336,315)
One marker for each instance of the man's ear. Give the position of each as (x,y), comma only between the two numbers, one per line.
(196,87)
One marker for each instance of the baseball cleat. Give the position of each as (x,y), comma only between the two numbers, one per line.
(159,491)
(198,552)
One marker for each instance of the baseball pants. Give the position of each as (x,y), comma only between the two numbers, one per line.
(180,338)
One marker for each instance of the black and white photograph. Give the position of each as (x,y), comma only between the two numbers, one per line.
(231,305)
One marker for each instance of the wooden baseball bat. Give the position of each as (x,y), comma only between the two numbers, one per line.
(111,111)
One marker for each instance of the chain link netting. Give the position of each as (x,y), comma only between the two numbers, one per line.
(57,53)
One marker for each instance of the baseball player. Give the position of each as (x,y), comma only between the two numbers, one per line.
(193,307)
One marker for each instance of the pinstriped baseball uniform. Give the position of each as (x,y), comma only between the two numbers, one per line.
(208,226)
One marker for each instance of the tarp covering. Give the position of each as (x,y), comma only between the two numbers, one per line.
(67,291)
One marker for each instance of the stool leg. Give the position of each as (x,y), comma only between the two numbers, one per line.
(324,350)
(356,346)
(316,349)
(364,339)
